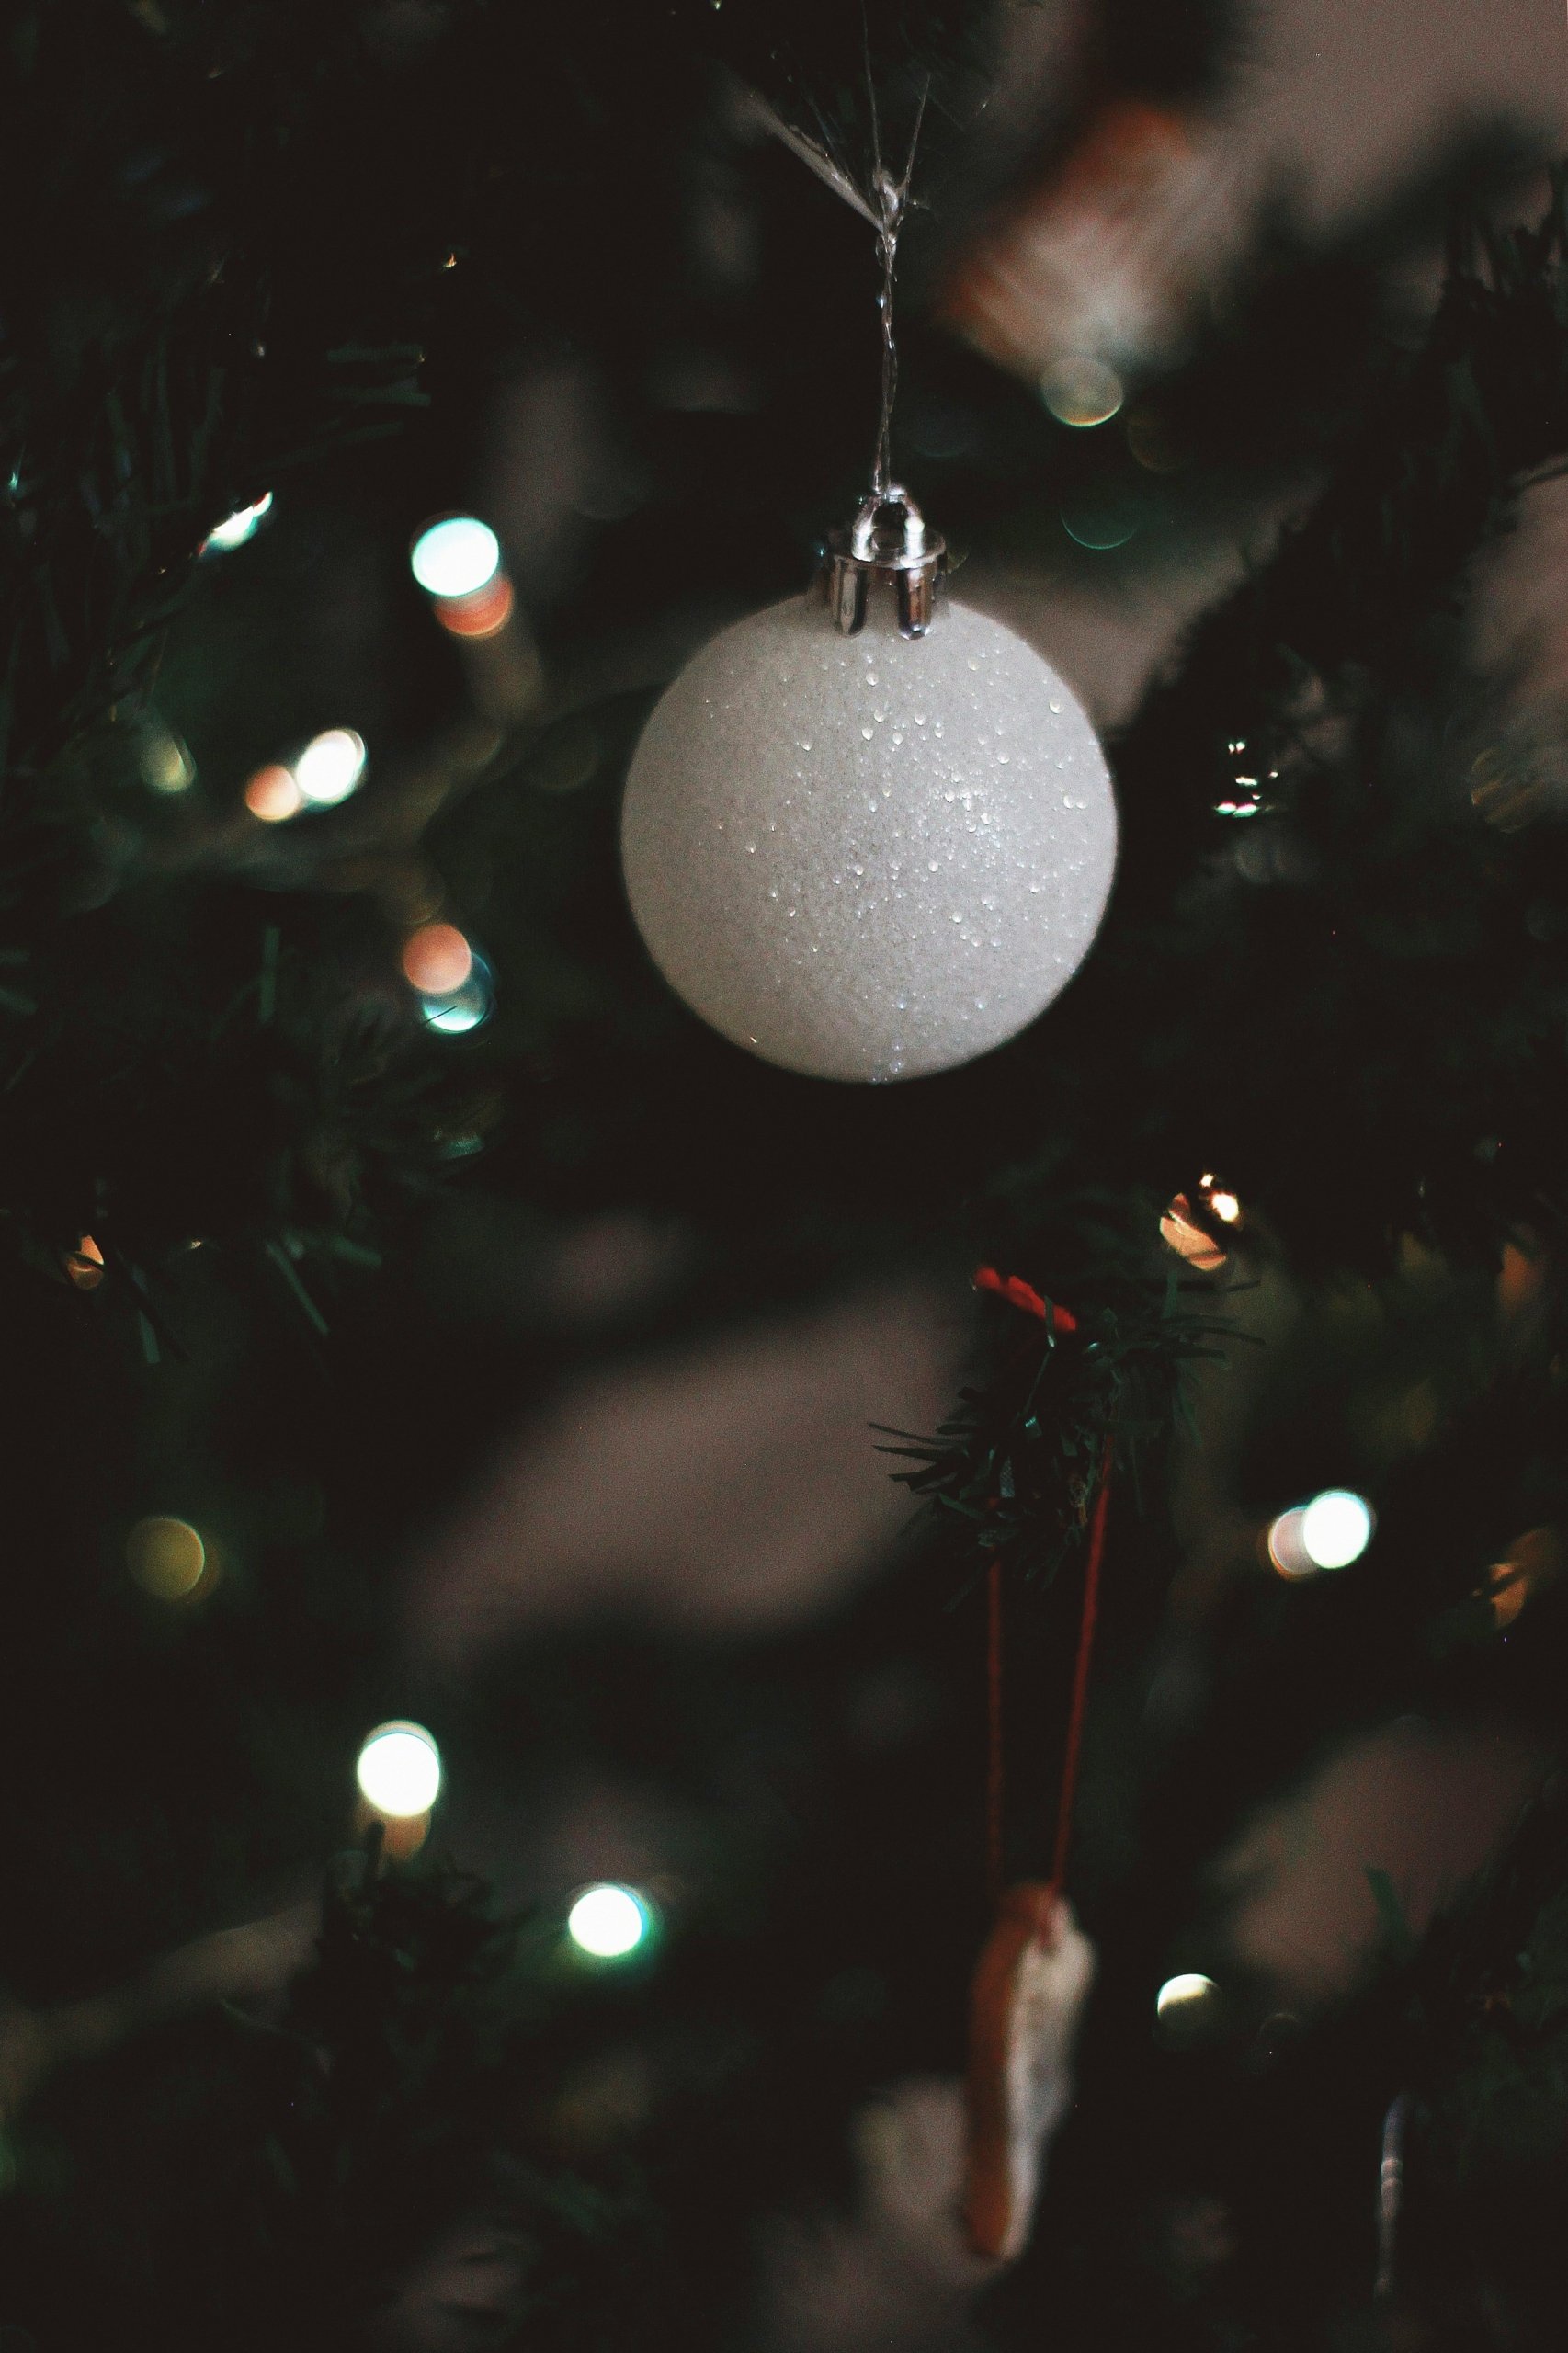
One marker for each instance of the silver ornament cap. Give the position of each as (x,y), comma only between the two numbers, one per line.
(889,546)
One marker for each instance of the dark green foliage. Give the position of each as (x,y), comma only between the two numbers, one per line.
(1014,1473)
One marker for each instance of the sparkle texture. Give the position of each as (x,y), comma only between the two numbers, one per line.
(870,857)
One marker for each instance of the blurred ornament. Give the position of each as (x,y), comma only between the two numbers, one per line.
(166,1557)
(1029,1988)
(1101,260)
(607,1922)
(237,527)
(876,853)
(399,1771)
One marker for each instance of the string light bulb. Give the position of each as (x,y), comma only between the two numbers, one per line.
(607,1921)
(399,1771)
(330,768)
(457,561)
(1330,1532)
(237,527)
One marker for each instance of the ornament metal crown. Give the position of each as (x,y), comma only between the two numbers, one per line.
(888,542)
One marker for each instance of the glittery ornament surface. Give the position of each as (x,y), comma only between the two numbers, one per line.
(870,857)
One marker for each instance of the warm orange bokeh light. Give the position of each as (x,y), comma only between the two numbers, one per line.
(436,959)
(1180,1229)
(272,794)
(485,614)
(85,1265)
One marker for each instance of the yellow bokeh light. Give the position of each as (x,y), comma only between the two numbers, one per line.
(166,1557)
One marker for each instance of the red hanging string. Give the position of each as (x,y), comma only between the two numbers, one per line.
(1078,1711)
(994,1761)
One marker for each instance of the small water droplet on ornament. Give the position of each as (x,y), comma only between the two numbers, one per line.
(866,732)
(751,849)
(920,719)
(933,869)
(898,739)
(1003,759)
(805,743)
(1055,705)
(879,714)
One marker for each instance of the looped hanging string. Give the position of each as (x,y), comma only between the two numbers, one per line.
(995,1762)
(1077,1710)
(883,203)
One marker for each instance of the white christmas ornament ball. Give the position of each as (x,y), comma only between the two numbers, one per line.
(868,857)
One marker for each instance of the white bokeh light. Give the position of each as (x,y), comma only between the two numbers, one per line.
(399,1770)
(330,766)
(455,557)
(1182,1995)
(1336,1528)
(607,1921)
(463,1008)
(237,527)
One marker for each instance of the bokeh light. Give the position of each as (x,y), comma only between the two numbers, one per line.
(1329,1532)
(1100,519)
(166,764)
(399,1771)
(455,556)
(330,766)
(237,527)
(608,1921)
(1336,1528)
(166,1557)
(1186,2007)
(273,794)
(84,1268)
(436,959)
(1081,391)
(455,1011)
(485,614)
(1183,1233)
